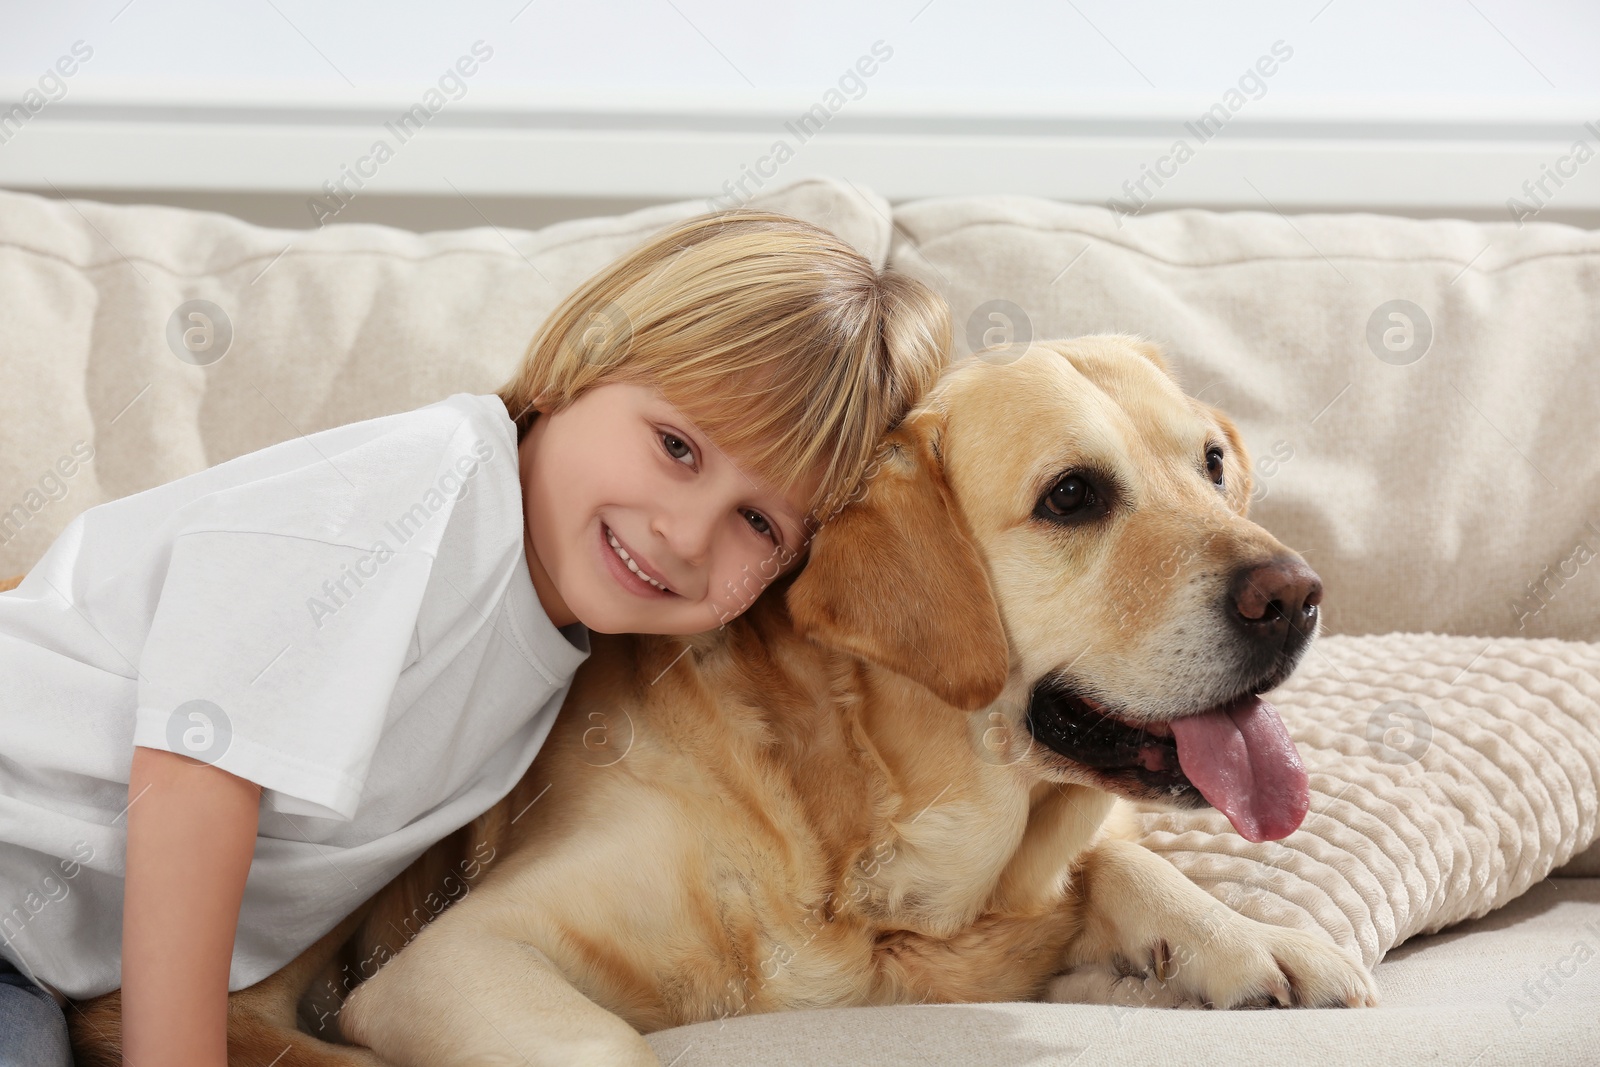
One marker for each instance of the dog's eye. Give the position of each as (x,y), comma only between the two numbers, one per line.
(1214,464)
(1073,496)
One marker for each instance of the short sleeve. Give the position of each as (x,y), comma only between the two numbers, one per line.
(275,657)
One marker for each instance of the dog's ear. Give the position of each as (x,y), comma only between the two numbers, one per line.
(896,579)
(1240,480)
(1152,351)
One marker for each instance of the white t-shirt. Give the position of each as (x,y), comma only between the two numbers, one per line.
(346,619)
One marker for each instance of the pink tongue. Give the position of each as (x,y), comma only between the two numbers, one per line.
(1245,764)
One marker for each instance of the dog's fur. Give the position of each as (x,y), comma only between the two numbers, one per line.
(837,799)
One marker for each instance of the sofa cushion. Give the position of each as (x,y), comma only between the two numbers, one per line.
(1440,470)
(327,327)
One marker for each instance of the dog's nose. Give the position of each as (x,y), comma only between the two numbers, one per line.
(1276,600)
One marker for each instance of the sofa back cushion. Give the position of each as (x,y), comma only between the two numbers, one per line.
(144,343)
(1420,397)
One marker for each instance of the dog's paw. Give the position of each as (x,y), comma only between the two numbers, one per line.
(1244,964)
(1256,965)
(1101,985)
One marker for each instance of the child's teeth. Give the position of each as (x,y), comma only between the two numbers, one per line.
(632,566)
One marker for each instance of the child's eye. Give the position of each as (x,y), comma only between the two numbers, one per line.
(669,439)
(758,522)
(765,527)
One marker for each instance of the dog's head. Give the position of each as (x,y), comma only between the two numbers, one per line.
(1060,542)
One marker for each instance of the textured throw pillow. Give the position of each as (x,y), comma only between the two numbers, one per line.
(1448,776)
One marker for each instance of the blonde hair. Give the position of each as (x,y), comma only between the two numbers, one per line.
(774,336)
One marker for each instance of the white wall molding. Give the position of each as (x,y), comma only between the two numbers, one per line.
(1468,165)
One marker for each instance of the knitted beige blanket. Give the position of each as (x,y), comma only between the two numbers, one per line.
(1448,776)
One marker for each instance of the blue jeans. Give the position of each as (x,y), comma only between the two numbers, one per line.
(33,1030)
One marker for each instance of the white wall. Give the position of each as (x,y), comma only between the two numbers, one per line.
(1440,107)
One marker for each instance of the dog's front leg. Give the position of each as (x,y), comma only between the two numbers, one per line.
(461,994)
(1151,936)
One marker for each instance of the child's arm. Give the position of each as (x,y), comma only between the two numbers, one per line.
(191,834)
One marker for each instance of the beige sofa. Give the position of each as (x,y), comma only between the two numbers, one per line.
(1421,399)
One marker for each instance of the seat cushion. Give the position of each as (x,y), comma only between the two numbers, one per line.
(1461,996)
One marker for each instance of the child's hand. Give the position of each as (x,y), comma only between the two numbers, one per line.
(191,834)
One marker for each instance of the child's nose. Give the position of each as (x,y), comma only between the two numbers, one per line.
(688,533)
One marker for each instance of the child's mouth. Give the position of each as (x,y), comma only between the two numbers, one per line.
(625,570)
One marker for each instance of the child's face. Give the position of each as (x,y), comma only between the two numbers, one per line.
(621,462)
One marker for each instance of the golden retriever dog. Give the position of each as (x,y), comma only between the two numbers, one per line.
(899,777)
